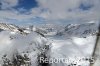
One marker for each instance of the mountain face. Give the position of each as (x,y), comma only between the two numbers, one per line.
(78,30)
(24,46)
(11,27)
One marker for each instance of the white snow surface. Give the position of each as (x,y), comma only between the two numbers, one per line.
(61,47)
(71,49)
(20,44)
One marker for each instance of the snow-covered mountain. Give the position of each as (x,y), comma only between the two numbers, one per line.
(78,30)
(26,45)
(16,47)
(12,28)
(20,48)
(69,30)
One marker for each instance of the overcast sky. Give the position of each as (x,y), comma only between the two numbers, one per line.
(49,11)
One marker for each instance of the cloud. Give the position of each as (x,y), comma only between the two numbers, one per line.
(8,3)
(54,10)
(69,9)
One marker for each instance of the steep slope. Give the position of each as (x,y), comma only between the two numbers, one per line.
(17,45)
(78,30)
